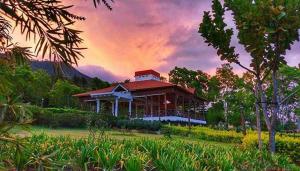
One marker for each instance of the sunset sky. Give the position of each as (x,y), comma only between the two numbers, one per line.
(148,34)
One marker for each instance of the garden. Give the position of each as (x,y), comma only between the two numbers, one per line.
(253,118)
(120,144)
(99,151)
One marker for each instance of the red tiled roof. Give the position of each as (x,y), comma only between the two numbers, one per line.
(147,84)
(191,90)
(137,85)
(146,72)
(104,90)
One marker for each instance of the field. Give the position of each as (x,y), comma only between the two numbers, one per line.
(78,149)
(114,134)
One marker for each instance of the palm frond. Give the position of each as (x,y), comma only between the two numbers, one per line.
(5,28)
(50,24)
(106,3)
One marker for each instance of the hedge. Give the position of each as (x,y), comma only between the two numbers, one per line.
(284,144)
(204,133)
(139,124)
(71,118)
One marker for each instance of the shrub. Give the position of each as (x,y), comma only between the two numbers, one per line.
(68,120)
(66,110)
(139,124)
(71,118)
(59,117)
(205,133)
(284,144)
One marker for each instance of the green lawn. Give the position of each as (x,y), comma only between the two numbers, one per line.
(112,134)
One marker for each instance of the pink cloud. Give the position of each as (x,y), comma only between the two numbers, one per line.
(144,34)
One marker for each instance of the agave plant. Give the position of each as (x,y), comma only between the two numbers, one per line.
(134,163)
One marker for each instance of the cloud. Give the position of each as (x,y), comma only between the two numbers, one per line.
(100,72)
(150,34)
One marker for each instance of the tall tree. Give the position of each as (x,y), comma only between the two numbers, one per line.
(228,83)
(266,29)
(190,79)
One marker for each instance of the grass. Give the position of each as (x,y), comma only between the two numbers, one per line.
(113,134)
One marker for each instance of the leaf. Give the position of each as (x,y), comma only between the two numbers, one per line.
(281,15)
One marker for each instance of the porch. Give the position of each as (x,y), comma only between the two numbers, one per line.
(164,107)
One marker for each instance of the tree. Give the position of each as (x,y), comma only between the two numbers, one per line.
(37,90)
(190,79)
(289,78)
(215,113)
(266,29)
(227,78)
(97,83)
(214,89)
(240,104)
(80,81)
(61,94)
(228,83)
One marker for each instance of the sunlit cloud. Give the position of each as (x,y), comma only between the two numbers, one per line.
(149,34)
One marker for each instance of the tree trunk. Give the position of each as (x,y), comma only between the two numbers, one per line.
(276,108)
(263,100)
(272,146)
(270,123)
(258,123)
(225,113)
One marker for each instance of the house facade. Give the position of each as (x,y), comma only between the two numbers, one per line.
(147,98)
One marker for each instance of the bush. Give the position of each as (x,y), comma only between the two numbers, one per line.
(139,124)
(284,144)
(60,117)
(68,120)
(205,133)
(66,110)
(71,118)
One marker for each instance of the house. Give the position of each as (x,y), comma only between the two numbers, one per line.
(148,98)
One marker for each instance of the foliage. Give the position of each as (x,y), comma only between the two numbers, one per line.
(286,145)
(215,114)
(190,79)
(138,124)
(33,86)
(205,133)
(227,78)
(289,78)
(97,83)
(58,117)
(72,118)
(107,154)
(48,22)
(266,29)
(214,89)
(61,94)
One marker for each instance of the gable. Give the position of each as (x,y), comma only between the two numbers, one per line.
(119,88)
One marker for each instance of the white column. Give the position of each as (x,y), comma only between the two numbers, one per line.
(98,105)
(112,108)
(116,106)
(129,108)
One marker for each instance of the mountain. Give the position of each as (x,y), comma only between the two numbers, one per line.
(53,69)
(100,72)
